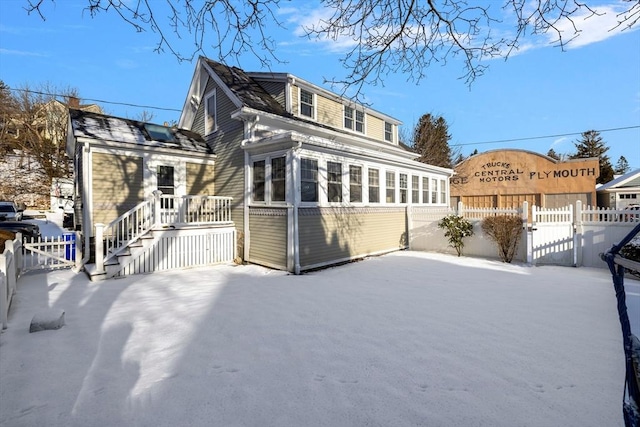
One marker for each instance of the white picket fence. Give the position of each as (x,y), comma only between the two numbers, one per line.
(566,236)
(10,270)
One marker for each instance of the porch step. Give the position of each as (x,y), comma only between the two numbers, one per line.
(92,272)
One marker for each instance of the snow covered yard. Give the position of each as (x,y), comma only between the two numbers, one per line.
(404,339)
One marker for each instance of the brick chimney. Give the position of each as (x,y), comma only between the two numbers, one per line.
(74,102)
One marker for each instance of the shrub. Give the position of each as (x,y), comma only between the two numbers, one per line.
(506,231)
(457,228)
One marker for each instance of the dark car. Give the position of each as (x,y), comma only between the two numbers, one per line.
(26,228)
(634,213)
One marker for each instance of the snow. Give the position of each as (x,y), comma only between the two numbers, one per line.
(404,339)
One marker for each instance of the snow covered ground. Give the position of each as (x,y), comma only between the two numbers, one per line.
(404,339)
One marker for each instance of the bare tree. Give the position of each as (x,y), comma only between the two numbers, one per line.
(387,36)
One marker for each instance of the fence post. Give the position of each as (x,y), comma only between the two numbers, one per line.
(460,208)
(577,235)
(4,309)
(409,225)
(530,242)
(99,244)
(156,207)
(79,251)
(525,229)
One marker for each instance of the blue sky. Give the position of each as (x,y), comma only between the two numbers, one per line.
(541,91)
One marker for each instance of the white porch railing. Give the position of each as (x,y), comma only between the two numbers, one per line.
(158,211)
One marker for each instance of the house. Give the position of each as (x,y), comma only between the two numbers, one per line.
(135,181)
(620,192)
(316,179)
(506,178)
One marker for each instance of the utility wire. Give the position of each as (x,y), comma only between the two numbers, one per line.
(543,137)
(97,100)
(452,145)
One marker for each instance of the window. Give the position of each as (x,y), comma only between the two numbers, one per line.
(374,186)
(628,196)
(166,185)
(443,191)
(434,191)
(355,184)
(391,187)
(415,189)
(388,132)
(258,181)
(425,190)
(334,182)
(359,121)
(159,133)
(349,115)
(278,179)
(210,119)
(403,188)
(306,103)
(309,180)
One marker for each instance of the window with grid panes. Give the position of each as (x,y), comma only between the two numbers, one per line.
(355,184)
(374,186)
(443,191)
(278,179)
(334,182)
(306,103)
(415,189)
(258,180)
(403,188)
(359,121)
(434,191)
(388,132)
(309,180)
(391,187)
(425,190)
(166,184)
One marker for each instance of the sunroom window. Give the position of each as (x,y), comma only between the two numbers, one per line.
(334,182)
(374,186)
(391,187)
(258,180)
(278,179)
(355,184)
(415,189)
(309,180)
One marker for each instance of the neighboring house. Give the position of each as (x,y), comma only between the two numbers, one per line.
(315,178)
(119,163)
(621,192)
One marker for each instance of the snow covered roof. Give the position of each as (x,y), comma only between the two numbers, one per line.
(117,129)
(630,179)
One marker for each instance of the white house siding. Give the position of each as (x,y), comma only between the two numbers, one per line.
(328,235)
(117,185)
(268,237)
(200,179)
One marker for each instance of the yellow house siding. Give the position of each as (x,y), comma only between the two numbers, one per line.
(295,101)
(329,112)
(117,185)
(200,179)
(332,234)
(374,127)
(268,236)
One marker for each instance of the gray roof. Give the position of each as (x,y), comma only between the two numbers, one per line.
(247,89)
(117,129)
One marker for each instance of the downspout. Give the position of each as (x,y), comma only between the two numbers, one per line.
(86,211)
(295,162)
(249,133)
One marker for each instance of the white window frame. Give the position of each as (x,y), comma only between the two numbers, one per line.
(340,183)
(354,119)
(362,170)
(209,127)
(393,173)
(390,133)
(268,179)
(314,103)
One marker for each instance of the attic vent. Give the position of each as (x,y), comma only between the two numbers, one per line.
(194,102)
(159,133)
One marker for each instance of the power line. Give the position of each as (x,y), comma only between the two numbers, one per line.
(453,145)
(97,100)
(543,137)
